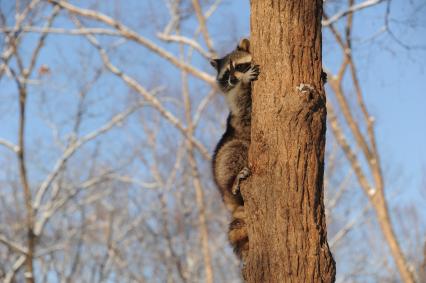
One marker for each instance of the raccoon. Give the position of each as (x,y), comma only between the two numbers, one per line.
(235,72)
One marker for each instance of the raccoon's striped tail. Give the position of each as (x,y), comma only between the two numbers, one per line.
(238,233)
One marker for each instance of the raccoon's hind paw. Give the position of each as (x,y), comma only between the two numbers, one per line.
(237,234)
(243,174)
(251,74)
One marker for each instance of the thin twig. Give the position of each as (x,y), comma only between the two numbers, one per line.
(352,9)
(35,29)
(9,145)
(74,146)
(187,41)
(202,21)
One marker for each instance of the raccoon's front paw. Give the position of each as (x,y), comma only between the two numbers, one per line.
(251,74)
(243,174)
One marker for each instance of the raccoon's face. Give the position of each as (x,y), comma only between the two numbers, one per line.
(231,68)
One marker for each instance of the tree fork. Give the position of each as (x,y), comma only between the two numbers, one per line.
(284,195)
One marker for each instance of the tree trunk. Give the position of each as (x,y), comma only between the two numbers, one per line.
(284,195)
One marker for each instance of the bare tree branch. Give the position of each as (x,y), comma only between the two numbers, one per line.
(350,10)
(203,27)
(12,37)
(185,40)
(10,276)
(14,246)
(131,35)
(146,95)
(75,145)
(82,31)
(14,148)
(356,166)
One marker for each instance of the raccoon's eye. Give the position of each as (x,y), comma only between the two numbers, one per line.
(225,76)
(242,68)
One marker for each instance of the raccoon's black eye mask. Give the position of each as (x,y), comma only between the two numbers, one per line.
(225,76)
(242,68)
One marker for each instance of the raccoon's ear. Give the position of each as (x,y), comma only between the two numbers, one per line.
(244,45)
(215,63)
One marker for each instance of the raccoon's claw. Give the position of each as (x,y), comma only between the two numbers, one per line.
(251,74)
(256,71)
(244,173)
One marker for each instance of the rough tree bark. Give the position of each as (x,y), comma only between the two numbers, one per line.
(284,195)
